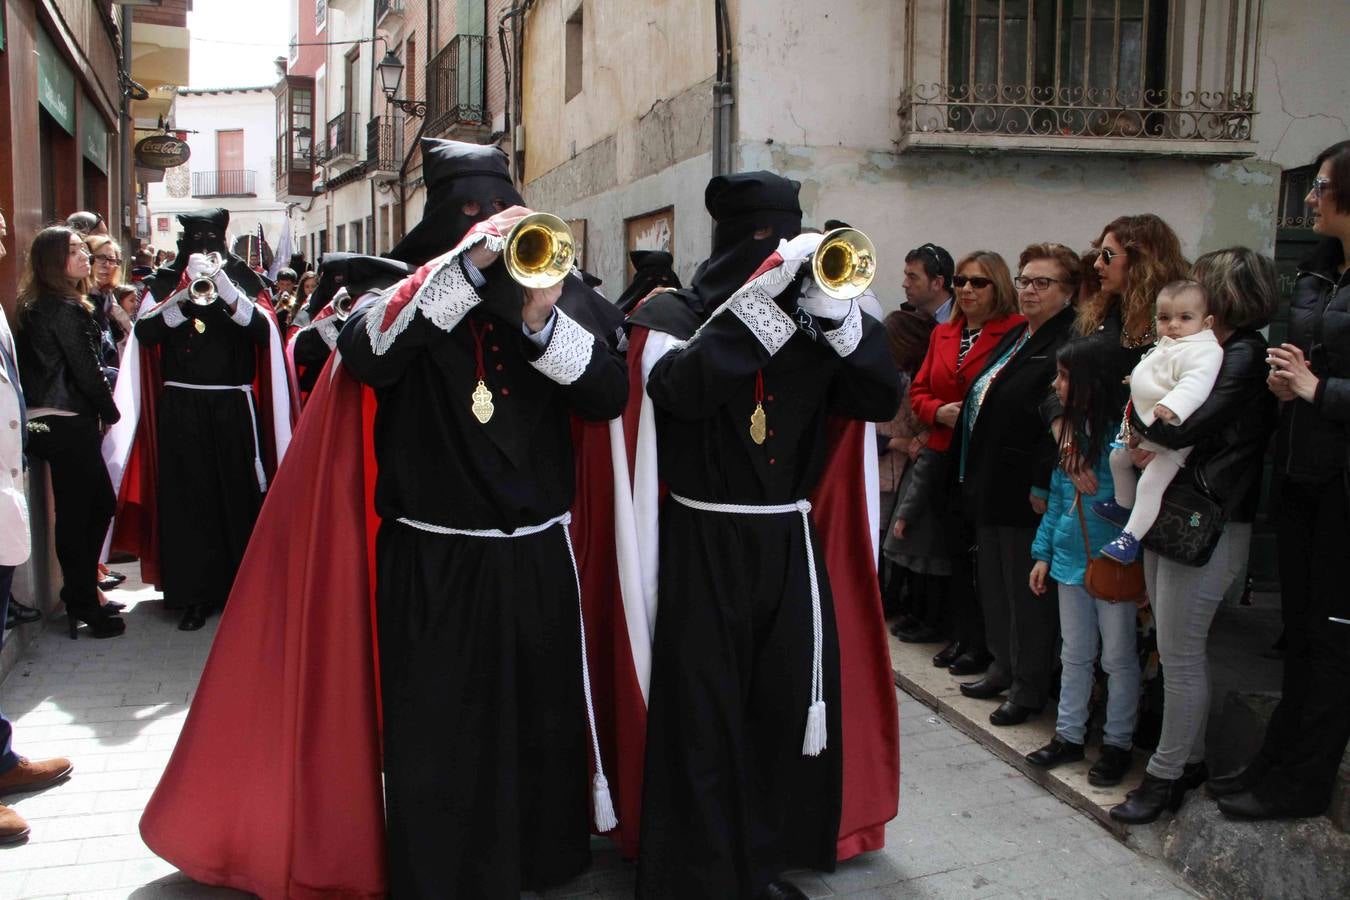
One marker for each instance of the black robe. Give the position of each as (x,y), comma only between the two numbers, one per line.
(729,799)
(209,494)
(486,750)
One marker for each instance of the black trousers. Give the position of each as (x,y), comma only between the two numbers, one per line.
(1309,728)
(486,758)
(84,501)
(729,801)
(1022,629)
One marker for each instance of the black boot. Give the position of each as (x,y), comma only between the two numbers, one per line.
(948,654)
(781,890)
(1056,753)
(1194,775)
(1110,767)
(1239,781)
(194,617)
(1145,803)
(101,624)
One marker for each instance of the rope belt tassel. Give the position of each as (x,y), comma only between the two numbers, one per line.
(815,740)
(605,819)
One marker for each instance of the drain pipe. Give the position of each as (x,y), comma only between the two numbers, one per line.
(723,96)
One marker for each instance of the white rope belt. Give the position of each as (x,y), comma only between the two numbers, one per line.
(814,740)
(252,419)
(605,820)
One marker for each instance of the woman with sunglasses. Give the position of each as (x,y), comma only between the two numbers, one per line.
(1005,458)
(1293,773)
(985,311)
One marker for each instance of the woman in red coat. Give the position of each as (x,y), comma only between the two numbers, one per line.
(986,308)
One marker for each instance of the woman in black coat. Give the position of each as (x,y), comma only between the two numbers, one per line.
(1293,774)
(1228,435)
(69,407)
(1006,455)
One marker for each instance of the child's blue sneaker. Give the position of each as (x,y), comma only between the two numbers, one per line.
(1112,512)
(1124,549)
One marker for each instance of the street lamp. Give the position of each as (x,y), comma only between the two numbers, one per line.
(303,141)
(391,73)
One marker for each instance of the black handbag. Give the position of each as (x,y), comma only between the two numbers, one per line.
(1189,524)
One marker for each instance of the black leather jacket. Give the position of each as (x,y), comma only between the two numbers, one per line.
(58,343)
(1230,429)
(1314,438)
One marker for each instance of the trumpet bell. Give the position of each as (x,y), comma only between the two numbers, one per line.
(539,251)
(844,264)
(202,291)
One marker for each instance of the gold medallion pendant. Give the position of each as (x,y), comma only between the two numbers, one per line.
(758,424)
(199,325)
(482,403)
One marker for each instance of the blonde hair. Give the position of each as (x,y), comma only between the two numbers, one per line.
(1005,298)
(97,242)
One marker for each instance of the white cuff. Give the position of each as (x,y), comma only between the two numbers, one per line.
(569,350)
(328,330)
(445,298)
(846,337)
(541,338)
(243,309)
(226,288)
(173,314)
(767,321)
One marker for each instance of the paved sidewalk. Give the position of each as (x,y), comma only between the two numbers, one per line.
(969,826)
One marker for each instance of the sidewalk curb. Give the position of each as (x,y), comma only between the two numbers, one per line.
(982,735)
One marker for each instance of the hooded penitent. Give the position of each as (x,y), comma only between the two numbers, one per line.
(459,177)
(204,232)
(651,269)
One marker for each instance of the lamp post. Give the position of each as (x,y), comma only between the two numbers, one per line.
(391,73)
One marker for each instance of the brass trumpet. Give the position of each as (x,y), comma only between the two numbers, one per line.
(202,290)
(342,305)
(844,264)
(539,251)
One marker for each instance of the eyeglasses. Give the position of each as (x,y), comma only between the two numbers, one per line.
(1036,284)
(977,282)
(1109,256)
(110,260)
(1319,187)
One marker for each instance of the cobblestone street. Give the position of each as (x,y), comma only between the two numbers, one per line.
(969,824)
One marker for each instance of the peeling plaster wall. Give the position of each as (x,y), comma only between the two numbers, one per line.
(1303,97)
(636,57)
(679,185)
(1004,202)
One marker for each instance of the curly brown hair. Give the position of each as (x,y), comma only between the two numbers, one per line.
(1154,255)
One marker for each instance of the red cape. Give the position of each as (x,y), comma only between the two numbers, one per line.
(274,786)
(871,719)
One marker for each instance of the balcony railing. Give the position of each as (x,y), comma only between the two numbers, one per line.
(224,183)
(455,84)
(385,7)
(1106,75)
(384,144)
(339,136)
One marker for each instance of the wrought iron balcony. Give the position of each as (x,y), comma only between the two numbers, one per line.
(384,145)
(385,8)
(1130,76)
(224,183)
(338,137)
(455,85)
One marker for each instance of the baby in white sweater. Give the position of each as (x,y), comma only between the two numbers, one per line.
(1169,383)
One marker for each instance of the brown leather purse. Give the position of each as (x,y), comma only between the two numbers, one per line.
(1105,578)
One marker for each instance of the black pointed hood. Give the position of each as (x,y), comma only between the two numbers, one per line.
(455,174)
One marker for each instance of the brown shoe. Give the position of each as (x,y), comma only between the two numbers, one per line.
(31,775)
(13,829)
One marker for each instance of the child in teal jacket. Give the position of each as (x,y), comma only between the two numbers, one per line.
(1084,387)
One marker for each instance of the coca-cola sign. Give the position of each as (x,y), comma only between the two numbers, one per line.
(162,151)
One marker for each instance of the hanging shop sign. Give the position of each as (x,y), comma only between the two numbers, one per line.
(56,83)
(162,151)
(95,133)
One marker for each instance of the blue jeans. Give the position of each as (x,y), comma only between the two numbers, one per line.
(7,758)
(1082,619)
